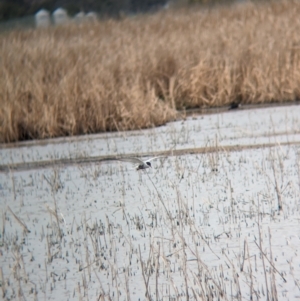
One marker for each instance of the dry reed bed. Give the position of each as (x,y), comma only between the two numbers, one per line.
(135,72)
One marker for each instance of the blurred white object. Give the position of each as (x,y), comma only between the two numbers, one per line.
(42,18)
(60,16)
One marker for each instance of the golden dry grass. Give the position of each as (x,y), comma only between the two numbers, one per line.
(136,72)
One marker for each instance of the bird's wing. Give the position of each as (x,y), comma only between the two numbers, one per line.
(153,158)
(132,160)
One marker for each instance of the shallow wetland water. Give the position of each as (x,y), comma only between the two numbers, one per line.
(221,222)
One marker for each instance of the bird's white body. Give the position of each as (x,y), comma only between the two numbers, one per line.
(140,164)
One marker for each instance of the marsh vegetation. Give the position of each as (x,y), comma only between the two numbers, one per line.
(136,72)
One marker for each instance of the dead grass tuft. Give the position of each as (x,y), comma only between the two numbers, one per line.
(135,72)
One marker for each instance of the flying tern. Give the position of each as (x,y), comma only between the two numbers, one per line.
(140,164)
